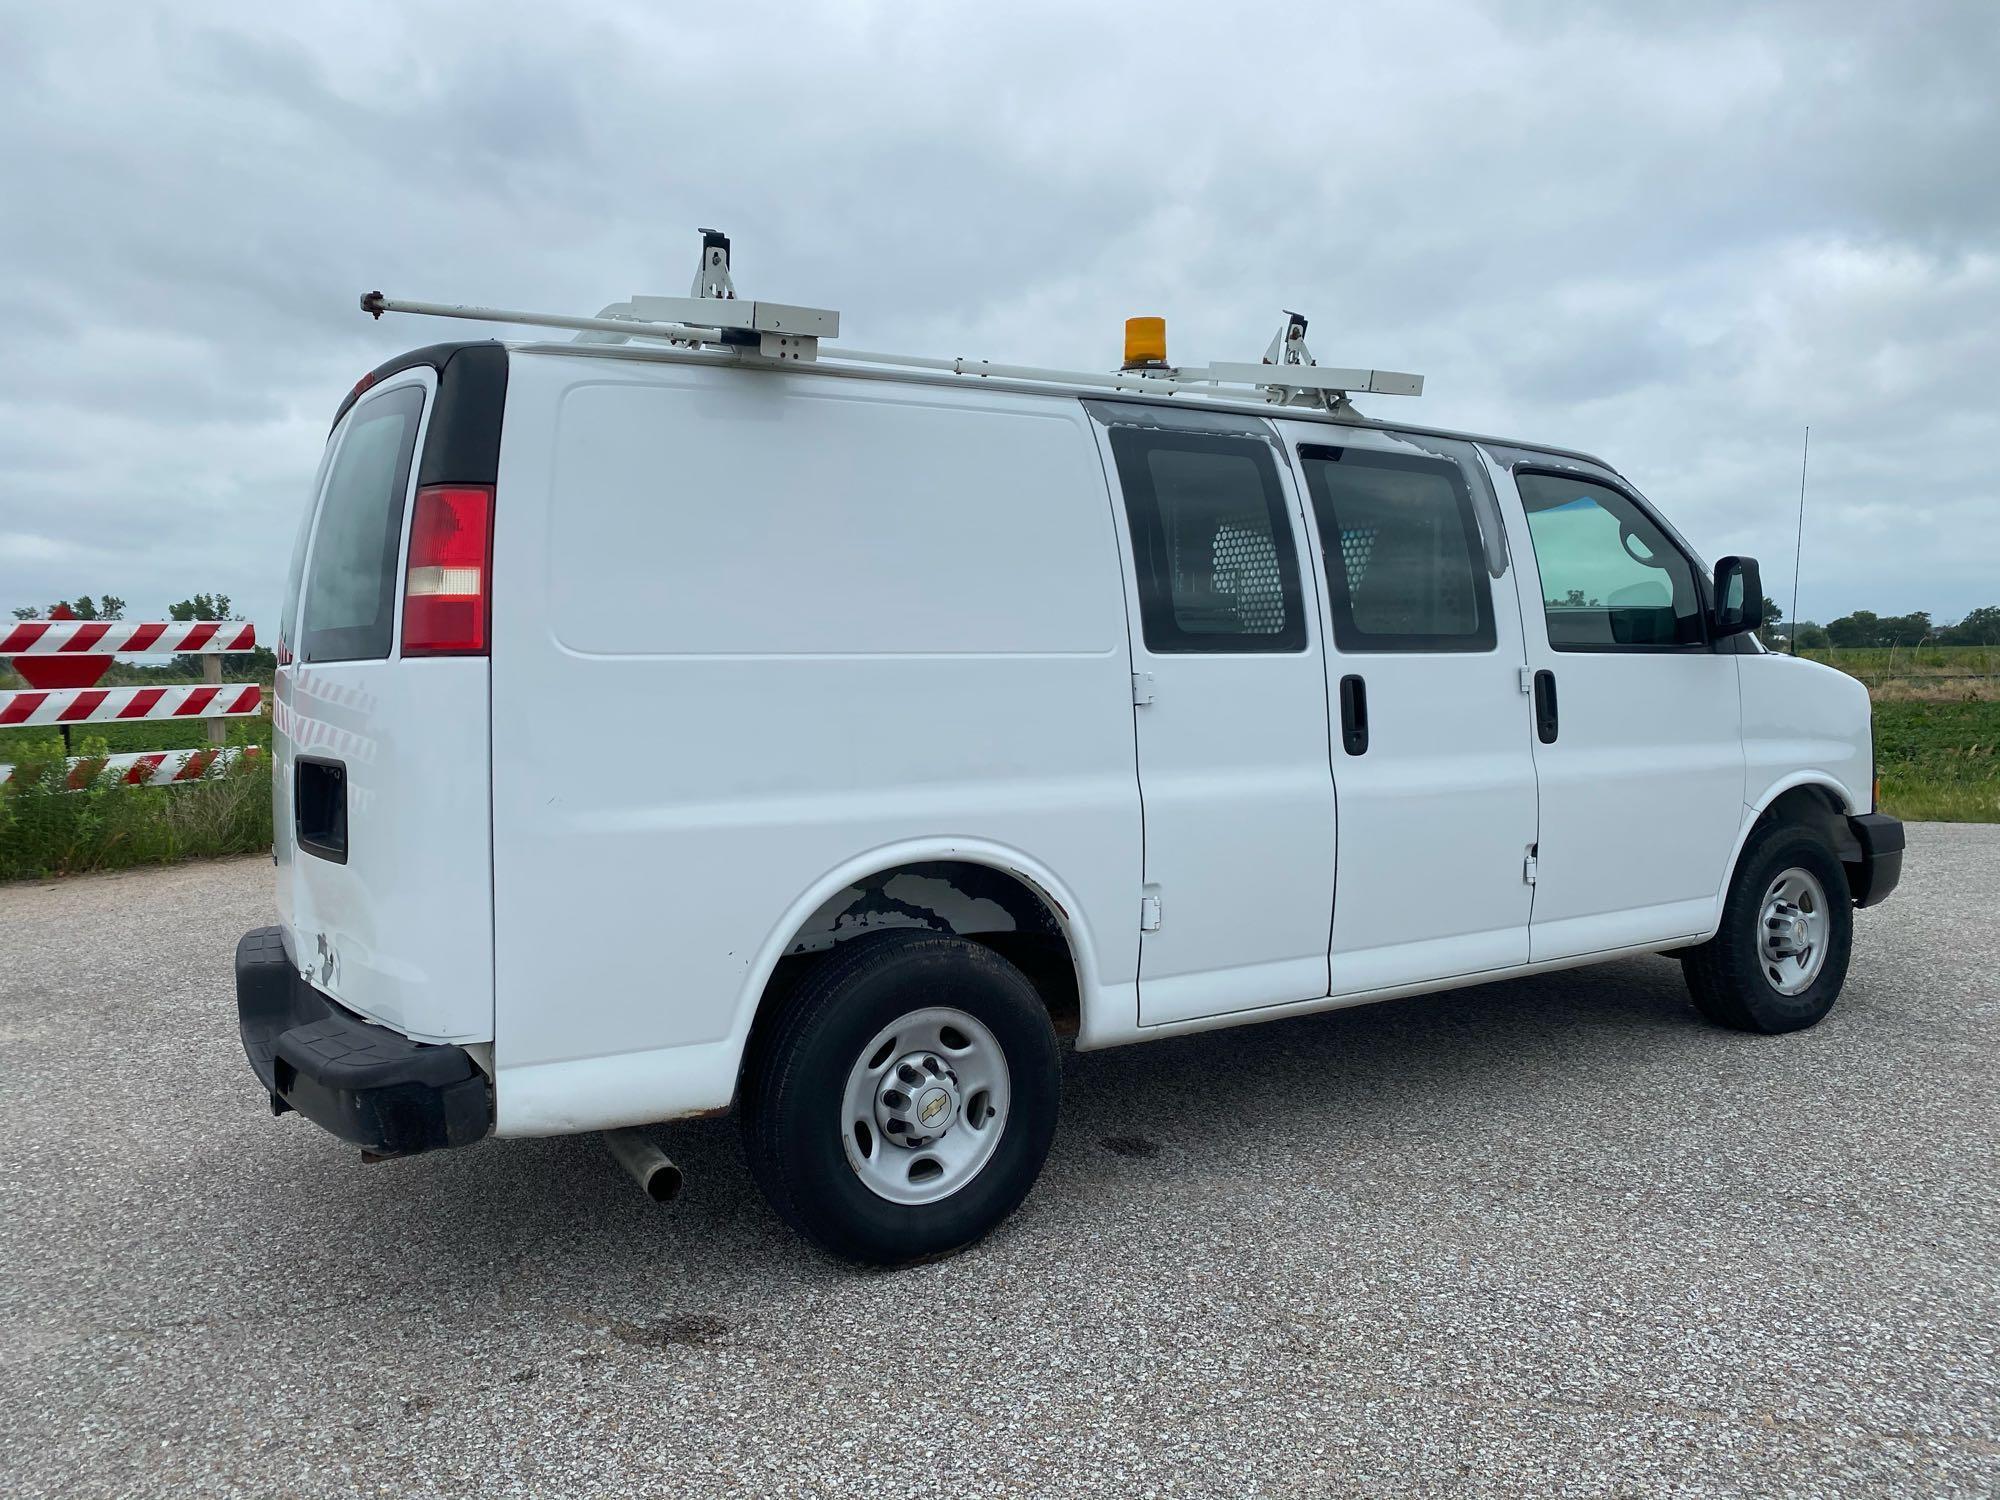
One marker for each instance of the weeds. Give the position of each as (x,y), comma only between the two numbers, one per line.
(48,829)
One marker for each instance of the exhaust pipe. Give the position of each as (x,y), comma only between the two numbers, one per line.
(648,1165)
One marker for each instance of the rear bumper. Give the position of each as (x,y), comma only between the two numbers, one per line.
(1881,864)
(364,1083)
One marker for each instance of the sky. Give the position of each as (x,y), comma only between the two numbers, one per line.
(1672,235)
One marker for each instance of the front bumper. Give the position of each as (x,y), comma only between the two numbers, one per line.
(365,1083)
(1874,876)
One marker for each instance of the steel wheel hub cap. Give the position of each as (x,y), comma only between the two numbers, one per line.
(1793,931)
(925,1105)
(918,1101)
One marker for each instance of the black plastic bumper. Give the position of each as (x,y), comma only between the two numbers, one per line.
(1881,864)
(364,1083)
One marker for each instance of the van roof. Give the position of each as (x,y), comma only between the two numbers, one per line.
(828,364)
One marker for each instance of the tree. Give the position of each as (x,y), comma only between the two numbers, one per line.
(1980,627)
(82,607)
(204,607)
(1866,628)
(1904,630)
(1769,632)
(104,607)
(201,607)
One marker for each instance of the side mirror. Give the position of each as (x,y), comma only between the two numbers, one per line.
(1739,597)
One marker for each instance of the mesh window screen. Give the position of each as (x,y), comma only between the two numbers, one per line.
(1246,571)
(1356,543)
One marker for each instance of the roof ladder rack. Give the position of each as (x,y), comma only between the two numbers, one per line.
(713,316)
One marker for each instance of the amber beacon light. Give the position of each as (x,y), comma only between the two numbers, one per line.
(1145,343)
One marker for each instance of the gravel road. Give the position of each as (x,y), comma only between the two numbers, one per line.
(1548,1237)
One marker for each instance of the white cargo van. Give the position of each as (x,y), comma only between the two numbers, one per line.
(695,716)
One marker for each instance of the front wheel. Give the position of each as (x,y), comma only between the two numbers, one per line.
(1779,959)
(904,1099)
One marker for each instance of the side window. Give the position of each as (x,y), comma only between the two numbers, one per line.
(1402,549)
(1216,564)
(1611,579)
(350,586)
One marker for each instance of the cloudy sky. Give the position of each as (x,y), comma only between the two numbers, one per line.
(1670,234)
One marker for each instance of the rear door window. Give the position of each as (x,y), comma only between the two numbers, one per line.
(350,586)
(1217,568)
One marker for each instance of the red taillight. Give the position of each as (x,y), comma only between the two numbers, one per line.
(445,603)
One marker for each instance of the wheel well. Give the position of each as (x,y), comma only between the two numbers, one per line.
(1820,809)
(989,906)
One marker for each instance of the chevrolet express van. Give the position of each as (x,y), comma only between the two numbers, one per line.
(673,725)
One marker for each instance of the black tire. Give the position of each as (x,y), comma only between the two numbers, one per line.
(797,1076)
(1726,975)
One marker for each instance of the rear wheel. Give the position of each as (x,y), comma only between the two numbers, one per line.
(904,1099)
(1779,959)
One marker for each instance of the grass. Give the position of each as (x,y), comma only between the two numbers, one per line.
(1939,761)
(1937,727)
(1870,662)
(47,829)
(1928,673)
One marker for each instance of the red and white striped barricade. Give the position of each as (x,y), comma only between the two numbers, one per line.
(109,638)
(61,660)
(149,767)
(30,707)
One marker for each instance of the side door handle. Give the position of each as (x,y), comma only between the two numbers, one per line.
(1354,715)
(1546,722)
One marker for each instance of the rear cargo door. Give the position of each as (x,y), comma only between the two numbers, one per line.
(384,815)
(1230,714)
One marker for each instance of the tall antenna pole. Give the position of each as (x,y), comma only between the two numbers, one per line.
(1798,545)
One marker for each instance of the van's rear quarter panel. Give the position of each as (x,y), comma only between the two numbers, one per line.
(749,627)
